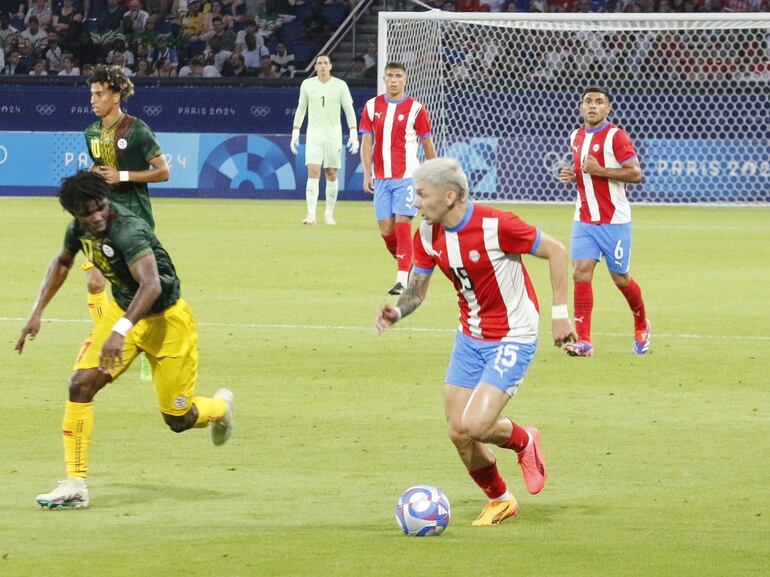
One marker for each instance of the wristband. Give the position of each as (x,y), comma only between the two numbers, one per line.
(559,312)
(123,176)
(398,313)
(122,326)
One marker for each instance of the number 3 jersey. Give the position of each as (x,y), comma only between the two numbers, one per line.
(482,258)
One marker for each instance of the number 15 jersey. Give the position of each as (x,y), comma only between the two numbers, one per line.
(482,258)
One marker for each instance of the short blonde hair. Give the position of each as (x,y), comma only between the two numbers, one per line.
(443,173)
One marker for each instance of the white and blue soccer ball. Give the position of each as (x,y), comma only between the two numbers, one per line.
(423,510)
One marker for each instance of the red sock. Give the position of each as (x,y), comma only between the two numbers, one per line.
(584,304)
(633,295)
(390,243)
(489,480)
(404,248)
(518,440)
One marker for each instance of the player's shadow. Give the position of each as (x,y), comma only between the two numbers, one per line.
(115,495)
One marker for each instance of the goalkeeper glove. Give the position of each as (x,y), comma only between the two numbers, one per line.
(294,140)
(352,144)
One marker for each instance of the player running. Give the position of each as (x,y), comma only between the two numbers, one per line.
(147,314)
(479,248)
(322,97)
(604,160)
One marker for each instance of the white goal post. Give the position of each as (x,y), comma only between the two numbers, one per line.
(502,89)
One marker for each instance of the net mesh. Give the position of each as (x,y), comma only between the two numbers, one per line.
(503,98)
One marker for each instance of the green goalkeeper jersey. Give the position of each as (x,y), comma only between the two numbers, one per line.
(129,145)
(323,101)
(128,238)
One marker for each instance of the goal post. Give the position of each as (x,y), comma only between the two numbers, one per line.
(502,89)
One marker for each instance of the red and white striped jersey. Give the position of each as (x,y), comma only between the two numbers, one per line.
(482,258)
(601,200)
(397,127)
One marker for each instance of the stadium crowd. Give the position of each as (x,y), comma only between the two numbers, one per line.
(260,38)
(270,38)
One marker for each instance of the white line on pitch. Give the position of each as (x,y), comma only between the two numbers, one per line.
(400,328)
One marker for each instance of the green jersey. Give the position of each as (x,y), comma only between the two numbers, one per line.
(128,238)
(322,101)
(128,145)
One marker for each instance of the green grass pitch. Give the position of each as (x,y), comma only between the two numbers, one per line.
(659,466)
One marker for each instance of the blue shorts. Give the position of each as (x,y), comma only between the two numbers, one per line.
(591,241)
(502,364)
(394,196)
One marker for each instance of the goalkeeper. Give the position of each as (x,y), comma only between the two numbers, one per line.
(322,97)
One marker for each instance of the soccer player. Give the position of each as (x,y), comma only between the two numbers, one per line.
(394,124)
(604,160)
(146,314)
(322,97)
(124,151)
(479,248)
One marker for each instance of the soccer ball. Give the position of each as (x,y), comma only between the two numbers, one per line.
(423,510)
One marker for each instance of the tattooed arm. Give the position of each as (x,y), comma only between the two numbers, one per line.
(407,303)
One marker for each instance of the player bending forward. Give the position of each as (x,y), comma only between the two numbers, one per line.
(147,314)
(479,249)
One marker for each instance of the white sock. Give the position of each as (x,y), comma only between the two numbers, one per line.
(504,497)
(332,189)
(311,195)
(403,277)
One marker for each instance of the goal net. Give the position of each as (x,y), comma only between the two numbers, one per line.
(693,92)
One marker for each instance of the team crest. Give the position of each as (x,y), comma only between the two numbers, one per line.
(474,256)
(596,148)
(180,402)
(108,251)
(122,143)
(400,117)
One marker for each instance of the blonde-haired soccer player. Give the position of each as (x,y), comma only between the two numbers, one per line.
(322,98)
(147,314)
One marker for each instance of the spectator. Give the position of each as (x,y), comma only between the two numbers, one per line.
(158,8)
(119,47)
(68,66)
(142,67)
(135,20)
(283,62)
(2,59)
(39,68)
(165,68)
(67,22)
(270,19)
(14,8)
(87,70)
(53,53)
(266,69)
(41,10)
(218,31)
(34,34)
(163,51)
(119,60)
(198,68)
(370,56)
(144,42)
(216,10)
(6,30)
(250,26)
(108,25)
(13,64)
(358,72)
(235,66)
(252,55)
(216,54)
(192,21)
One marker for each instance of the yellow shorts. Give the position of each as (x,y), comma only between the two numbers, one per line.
(170,341)
(326,154)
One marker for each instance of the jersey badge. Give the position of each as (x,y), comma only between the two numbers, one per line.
(400,117)
(108,251)
(122,143)
(595,148)
(474,256)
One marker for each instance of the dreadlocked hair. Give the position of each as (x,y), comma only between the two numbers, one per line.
(114,78)
(80,189)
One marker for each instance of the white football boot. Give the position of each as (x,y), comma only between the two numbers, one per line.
(222,429)
(71,493)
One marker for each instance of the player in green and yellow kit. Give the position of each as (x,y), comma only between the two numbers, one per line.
(322,98)
(146,314)
(126,154)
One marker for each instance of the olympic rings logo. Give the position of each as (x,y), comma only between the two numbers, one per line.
(45,109)
(4,153)
(260,111)
(152,110)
